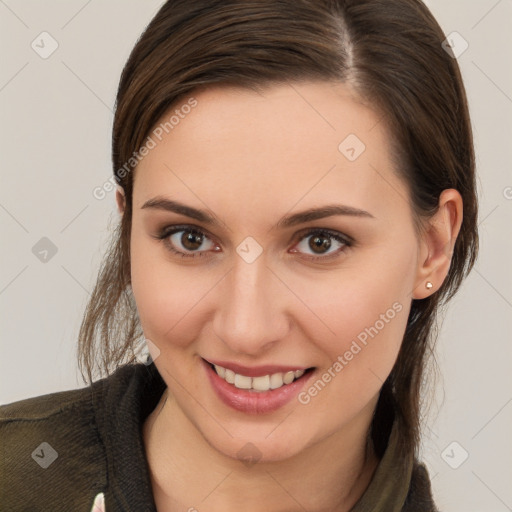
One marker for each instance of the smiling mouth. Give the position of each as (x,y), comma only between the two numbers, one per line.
(261,383)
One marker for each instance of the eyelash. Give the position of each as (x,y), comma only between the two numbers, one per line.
(166,232)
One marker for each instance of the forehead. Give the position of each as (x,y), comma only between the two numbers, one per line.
(311,141)
(321,114)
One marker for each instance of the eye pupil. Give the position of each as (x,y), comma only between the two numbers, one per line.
(317,243)
(191,241)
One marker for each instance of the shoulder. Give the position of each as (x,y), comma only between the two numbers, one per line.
(50,444)
(44,406)
(419,497)
(58,451)
(82,402)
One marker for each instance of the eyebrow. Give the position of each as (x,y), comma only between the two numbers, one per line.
(161,203)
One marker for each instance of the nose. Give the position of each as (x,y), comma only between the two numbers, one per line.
(251,315)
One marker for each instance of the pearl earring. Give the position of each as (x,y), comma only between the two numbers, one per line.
(428,285)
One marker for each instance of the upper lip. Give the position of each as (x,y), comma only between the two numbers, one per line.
(255,371)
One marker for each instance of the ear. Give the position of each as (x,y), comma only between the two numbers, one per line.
(120,199)
(437,243)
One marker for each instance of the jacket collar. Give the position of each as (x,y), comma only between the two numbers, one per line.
(122,402)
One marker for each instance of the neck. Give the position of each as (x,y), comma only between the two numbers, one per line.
(187,473)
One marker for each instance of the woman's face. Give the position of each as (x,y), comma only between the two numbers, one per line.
(263,289)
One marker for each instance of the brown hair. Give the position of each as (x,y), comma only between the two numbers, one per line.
(390,52)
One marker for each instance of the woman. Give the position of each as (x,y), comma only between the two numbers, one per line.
(297,191)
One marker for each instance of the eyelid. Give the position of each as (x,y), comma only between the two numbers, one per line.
(332,232)
(169,230)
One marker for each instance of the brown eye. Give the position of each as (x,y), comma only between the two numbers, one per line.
(318,244)
(191,241)
(187,241)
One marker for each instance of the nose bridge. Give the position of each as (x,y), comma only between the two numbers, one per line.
(249,315)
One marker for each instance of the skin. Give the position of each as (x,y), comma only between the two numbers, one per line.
(249,159)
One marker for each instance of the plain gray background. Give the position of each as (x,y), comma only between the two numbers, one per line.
(55,149)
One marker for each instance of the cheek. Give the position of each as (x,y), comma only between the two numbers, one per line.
(164,293)
(359,292)
(362,313)
(359,357)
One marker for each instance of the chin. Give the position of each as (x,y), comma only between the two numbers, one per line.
(251,450)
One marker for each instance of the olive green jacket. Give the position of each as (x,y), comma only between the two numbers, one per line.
(59,451)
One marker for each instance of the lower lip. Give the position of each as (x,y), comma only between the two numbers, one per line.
(255,402)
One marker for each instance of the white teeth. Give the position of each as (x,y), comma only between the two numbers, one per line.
(262,383)
(276,380)
(221,371)
(242,382)
(288,377)
(230,376)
